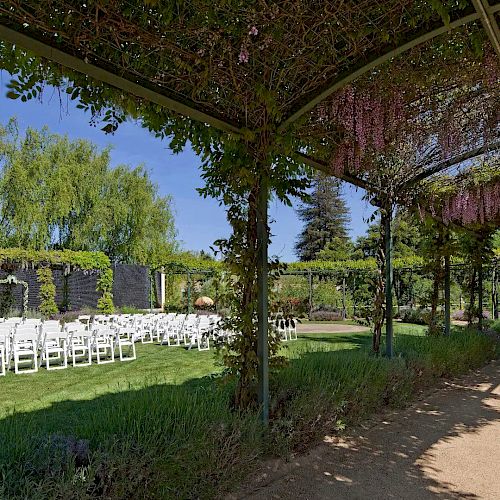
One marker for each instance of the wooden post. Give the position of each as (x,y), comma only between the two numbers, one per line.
(262,305)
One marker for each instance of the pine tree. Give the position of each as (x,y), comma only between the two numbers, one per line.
(325,216)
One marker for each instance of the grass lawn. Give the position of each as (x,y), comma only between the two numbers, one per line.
(161,427)
(155,365)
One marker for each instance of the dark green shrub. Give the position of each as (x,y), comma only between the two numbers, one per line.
(47,293)
(105,285)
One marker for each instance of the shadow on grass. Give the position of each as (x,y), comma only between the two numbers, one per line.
(161,441)
(177,441)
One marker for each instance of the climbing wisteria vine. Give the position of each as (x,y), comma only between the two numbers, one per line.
(469,199)
(478,205)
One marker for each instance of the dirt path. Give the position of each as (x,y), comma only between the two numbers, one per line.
(329,328)
(446,446)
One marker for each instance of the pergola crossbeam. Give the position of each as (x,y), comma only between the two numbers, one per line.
(450,162)
(323,167)
(346,79)
(490,25)
(52,54)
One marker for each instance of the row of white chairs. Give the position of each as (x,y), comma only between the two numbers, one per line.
(189,330)
(286,328)
(34,343)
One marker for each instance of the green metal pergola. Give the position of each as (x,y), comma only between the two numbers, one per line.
(151,50)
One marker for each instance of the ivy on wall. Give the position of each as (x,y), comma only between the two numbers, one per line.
(81,260)
(193,264)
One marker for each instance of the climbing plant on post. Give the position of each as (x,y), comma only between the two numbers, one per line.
(438,246)
(242,176)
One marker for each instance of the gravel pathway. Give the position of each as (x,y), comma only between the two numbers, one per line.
(446,446)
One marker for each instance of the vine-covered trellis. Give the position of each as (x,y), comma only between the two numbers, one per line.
(10,281)
(67,260)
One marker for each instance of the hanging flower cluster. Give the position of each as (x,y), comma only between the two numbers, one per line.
(473,206)
(378,113)
(367,122)
(244,55)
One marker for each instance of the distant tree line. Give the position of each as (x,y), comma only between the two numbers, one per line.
(61,193)
(325,234)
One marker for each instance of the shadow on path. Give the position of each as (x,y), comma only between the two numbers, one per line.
(445,446)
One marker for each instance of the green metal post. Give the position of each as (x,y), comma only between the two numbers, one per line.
(344,312)
(480,294)
(310,276)
(388,282)
(494,293)
(354,296)
(262,306)
(447,296)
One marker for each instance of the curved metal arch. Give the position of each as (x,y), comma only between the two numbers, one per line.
(57,56)
(346,79)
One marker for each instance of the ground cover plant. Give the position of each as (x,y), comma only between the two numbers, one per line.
(163,427)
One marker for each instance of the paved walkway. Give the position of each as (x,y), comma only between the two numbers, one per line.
(446,446)
(329,328)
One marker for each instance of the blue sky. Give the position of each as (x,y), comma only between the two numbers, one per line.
(199,221)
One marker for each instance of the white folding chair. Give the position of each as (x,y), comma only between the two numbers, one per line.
(4,352)
(291,327)
(103,345)
(5,342)
(85,320)
(52,324)
(189,328)
(124,339)
(54,349)
(144,331)
(203,333)
(173,331)
(31,321)
(80,344)
(46,327)
(281,329)
(24,349)
(14,321)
